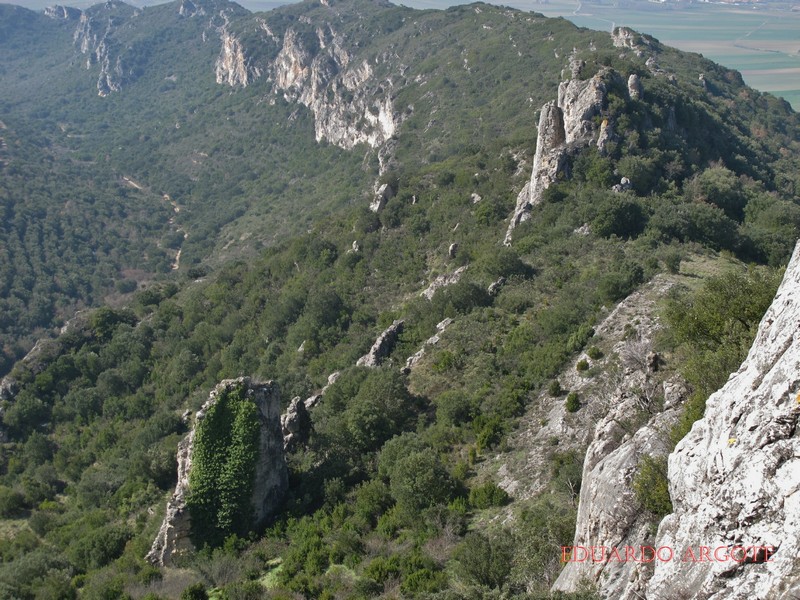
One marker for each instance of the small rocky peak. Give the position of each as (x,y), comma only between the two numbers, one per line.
(624,37)
(190,9)
(295,424)
(635,89)
(564,126)
(62,13)
(383,345)
(580,101)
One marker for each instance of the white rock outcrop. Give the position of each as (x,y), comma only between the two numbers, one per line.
(735,478)
(233,67)
(563,124)
(383,345)
(350,105)
(443,281)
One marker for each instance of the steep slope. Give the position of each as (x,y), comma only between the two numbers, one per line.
(733,478)
(363,160)
(238,119)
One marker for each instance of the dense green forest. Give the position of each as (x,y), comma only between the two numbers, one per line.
(385,499)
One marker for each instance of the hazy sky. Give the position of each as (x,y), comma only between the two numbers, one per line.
(254,5)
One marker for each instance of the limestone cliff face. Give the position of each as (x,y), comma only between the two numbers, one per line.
(94,38)
(65,13)
(270,480)
(313,67)
(350,105)
(563,125)
(735,478)
(233,67)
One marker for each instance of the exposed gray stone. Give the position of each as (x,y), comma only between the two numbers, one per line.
(563,125)
(382,195)
(412,360)
(734,478)
(382,346)
(443,281)
(635,89)
(295,424)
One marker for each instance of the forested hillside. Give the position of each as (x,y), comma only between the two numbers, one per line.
(263,195)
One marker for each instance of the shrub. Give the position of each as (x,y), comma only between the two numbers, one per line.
(652,486)
(595,353)
(11,502)
(487,495)
(420,481)
(484,561)
(583,365)
(572,404)
(196,591)
(554,389)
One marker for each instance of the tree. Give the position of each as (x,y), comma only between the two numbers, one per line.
(483,560)
(419,481)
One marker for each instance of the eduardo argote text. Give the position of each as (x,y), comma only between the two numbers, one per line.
(649,554)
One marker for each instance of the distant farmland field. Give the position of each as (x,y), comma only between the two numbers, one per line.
(761,42)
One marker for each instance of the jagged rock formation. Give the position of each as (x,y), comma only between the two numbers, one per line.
(233,67)
(190,9)
(609,514)
(295,424)
(412,360)
(93,38)
(350,105)
(382,195)
(734,478)
(562,125)
(65,13)
(443,281)
(382,346)
(270,480)
(634,87)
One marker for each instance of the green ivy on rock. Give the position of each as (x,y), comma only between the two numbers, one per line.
(223,465)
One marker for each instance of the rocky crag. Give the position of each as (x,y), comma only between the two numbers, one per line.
(270,481)
(626,392)
(563,125)
(734,478)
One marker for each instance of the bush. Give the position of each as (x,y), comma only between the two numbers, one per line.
(652,486)
(453,408)
(583,365)
(487,495)
(196,591)
(12,502)
(554,389)
(572,404)
(594,353)
(420,481)
(484,561)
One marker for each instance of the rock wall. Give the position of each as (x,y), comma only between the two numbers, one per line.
(350,105)
(94,38)
(270,481)
(735,478)
(233,67)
